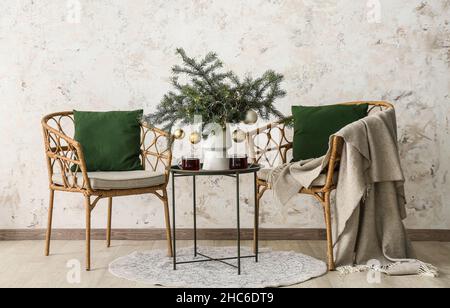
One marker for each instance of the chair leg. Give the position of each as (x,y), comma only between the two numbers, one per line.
(168,227)
(88,232)
(327,209)
(108,229)
(49,223)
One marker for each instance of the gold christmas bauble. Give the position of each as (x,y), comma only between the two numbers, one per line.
(195,138)
(239,136)
(251,117)
(179,134)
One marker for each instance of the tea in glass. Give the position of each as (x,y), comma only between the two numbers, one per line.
(239,162)
(190,163)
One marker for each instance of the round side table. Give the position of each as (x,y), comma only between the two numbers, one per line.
(178,172)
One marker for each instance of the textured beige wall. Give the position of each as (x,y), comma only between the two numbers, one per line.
(119,56)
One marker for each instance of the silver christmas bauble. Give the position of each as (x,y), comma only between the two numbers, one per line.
(239,136)
(179,134)
(251,117)
(195,138)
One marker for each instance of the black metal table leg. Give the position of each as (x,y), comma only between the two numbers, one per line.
(173,225)
(256,219)
(238,222)
(195,214)
(177,172)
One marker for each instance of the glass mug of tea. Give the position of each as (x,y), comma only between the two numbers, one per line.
(189,163)
(238,162)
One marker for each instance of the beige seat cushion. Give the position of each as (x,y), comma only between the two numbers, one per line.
(119,180)
(263,174)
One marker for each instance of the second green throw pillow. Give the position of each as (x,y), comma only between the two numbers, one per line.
(313,127)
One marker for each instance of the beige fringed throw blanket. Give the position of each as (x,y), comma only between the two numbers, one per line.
(370,199)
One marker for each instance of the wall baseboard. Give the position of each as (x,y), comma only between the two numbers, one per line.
(203,234)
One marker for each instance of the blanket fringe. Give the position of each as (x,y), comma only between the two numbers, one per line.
(424,269)
(428,270)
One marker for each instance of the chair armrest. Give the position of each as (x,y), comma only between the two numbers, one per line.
(65,155)
(274,139)
(337,145)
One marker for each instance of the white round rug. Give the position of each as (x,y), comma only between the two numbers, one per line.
(275,269)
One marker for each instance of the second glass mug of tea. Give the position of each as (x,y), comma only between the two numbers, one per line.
(239,162)
(190,163)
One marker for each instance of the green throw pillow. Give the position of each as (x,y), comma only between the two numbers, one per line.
(111,141)
(313,127)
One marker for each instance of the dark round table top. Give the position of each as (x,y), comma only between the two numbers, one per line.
(251,169)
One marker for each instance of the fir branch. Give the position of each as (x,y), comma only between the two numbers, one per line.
(218,96)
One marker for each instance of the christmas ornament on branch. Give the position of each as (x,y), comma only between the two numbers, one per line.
(251,117)
(179,134)
(195,138)
(239,136)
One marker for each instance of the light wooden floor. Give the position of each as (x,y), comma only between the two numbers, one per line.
(22,264)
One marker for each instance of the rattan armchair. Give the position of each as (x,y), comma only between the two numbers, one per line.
(271,144)
(63,153)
